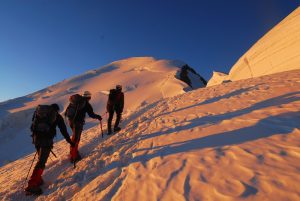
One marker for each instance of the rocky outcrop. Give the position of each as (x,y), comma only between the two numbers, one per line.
(191,77)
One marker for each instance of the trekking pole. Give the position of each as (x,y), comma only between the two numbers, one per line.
(101,128)
(106,115)
(53,153)
(50,158)
(29,169)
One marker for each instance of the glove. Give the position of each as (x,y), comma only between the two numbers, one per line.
(99,117)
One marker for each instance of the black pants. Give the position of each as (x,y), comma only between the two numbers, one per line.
(43,154)
(77,128)
(110,117)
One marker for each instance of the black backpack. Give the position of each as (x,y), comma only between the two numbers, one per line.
(112,96)
(77,103)
(44,117)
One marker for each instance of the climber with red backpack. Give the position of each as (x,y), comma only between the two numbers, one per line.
(79,105)
(115,103)
(43,127)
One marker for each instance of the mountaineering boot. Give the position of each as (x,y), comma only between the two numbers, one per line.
(117,129)
(41,182)
(76,157)
(109,132)
(34,191)
(35,182)
(74,153)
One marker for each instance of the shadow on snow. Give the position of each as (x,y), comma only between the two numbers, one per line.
(262,129)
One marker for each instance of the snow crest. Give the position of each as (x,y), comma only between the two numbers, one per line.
(277,51)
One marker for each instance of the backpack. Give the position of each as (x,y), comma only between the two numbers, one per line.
(112,96)
(114,100)
(44,118)
(77,103)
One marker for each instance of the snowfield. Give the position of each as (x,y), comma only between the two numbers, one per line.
(144,79)
(234,141)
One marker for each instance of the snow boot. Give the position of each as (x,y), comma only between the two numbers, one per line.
(117,129)
(35,182)
(109,132)
(76,158)
(41,182)
(74,153)
(33,190)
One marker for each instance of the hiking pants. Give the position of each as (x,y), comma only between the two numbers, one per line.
(43,154)
(77,128)
(110,117)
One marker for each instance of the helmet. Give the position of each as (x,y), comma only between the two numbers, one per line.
(87,94)
(55,106)
(119,87)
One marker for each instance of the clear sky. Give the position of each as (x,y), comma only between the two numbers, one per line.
(43,42)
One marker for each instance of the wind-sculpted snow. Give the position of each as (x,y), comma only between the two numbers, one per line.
(277,51)
(236,141)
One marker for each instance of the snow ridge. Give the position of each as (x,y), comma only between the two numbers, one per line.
(275,52)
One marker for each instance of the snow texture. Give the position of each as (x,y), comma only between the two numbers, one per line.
(239,141)
(236,141)
(277,51)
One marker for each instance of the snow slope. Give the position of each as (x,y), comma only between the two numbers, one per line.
(236,141)
(277,51)
(144,80)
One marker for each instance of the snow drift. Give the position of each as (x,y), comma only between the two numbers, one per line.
(144,79)
(239,141)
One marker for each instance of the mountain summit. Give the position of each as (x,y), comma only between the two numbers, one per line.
(144,79)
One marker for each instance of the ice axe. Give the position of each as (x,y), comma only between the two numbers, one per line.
(29,169)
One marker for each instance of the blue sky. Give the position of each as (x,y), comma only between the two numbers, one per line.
(43,42)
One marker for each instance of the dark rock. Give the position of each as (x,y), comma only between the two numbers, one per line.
(183,76)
